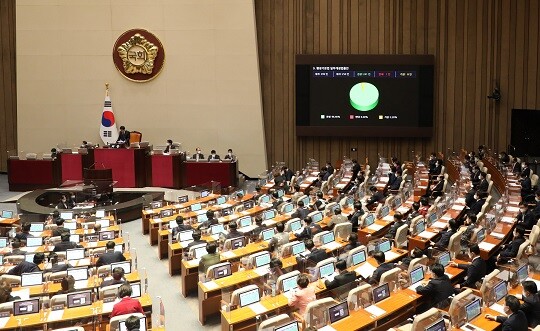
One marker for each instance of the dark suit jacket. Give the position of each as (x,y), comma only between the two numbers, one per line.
(477,206)
(355,218)
(528,220)
(531,308)
(381,269)
(393,229)
(309,231)
(341,279)
(526,171)
(536,210)
(168,148)
(436,170)
(445,239)
(355,170)
(180,228)
(58,267)
(123,137)
(516,168)
(330,169)
(483,186)
(59,231)
(110,257)
(513,247)
(301,213)
(317,255)
(475,271)
(437,290)
(288,175)
(397,182)
(526,186)
(65,245)
(377,197)
(24,267)
(213,157)
(439,186)
(514,322)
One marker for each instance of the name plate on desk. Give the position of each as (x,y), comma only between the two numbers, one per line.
(5,314)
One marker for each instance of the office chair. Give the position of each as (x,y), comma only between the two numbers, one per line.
(114,323)
(416,262)
(311,318)
(279,281)
(289,222)
(235,296)
(422,321)
(354,251)
(135,136)
(210,271)
(456,304)
(329,209)
(323,262)
(401,238)
(6,307)
(343,230)
(355,295)
(276,321)
(454,245)
(14,259)
(286,249)
(110,291)
(57,300)
(11,280)
(487,280)
(390,277)
(57,276)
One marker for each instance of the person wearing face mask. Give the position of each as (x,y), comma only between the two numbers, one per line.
(526,185)
(515,319)
(511,249)
(213,155)
(198,155)
(516,166)
(526,216)
(476,270)
(531,302)
(63,204)
(471,225)
(479,200)
(438,289)
(230,155)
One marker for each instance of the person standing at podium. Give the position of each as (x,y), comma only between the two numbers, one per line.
(213,155)
(198,156)
(123,136)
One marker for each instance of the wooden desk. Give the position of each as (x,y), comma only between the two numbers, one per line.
(28,175)
(196,173)
(127,164)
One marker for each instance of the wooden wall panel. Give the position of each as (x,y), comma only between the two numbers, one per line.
(8,90)
(476,44)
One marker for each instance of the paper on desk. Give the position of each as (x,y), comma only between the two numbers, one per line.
(108,306)
(402,210)
(422,187)
(388,218)
(427,234)
(228,254)
(261,271)
(384,179)
(311,179)
(497,235)
(486,246)
(446,217)
(149,211)
(23,293)
(498,308)
(257,308)
(439,225)
(365,270)
(507,219)
(512,209)
(375,227)
(331,245)
(35,234)
(211,285)
(91,244)
(391,255)
(458,207)
(461,201)
(375,311)
(30,249)
(327,328)
(340,186)
(55,315)
(380,185)
(3,321)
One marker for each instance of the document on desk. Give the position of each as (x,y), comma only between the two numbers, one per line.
(497,235)
(375,227)
(261,271)
(327,328)
(55,315)
(211,285)
(391,255)
(512,209)
(149,211)
(458,207)
(384,179)
(427,234)
(340,186)
(446,217)
(331,245)
(375,311)
(403,209)
(228,254)
(23,293)
(439,225)
(35,234)
(380,185)
(258,308)
(3,321)
(365,270)
(486,246)
(91,244)
(388,218)
(157,220)
(498,308)
(507,219)
(30,249)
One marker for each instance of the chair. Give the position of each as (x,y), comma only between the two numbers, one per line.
(135,136)
(401,239)
(416,262)
(286,249)
(57,276)
(343,203)
(329,209)
(14,259)
(324,187)
(110,291)
(474,236)
(194,247)
(362,219)
(6,307)
(454,245)
(388,202)
(353,294)
(487,280)
(354,251)
(289,222)
(521,251)
(226,244)
(310,318)
(390,277)
(235,296)
(534,179)
(283,206)
(11,280)
(279,282)
(415,221)
(210,271)
(457,304)
(533,237)
(50,227)
(31,156)
(59,299)
(103,270)
(343,230)
(115,321)
(97,251)
(238,208)
(422,321)
(323,262)
(274,322)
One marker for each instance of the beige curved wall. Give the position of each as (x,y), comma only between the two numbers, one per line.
(207,95)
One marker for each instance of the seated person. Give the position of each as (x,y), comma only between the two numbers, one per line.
(276,200)
(123,136)
(353,242)
(376,197)
(233,231)
(169,146)
(515,319)
(65,244)
(345,277)
(510,250)
(209,259)
(127,304)
(526,185)
(257,193)
(316,254)
(437,190)
(117,278)
(211,220)
(356,215)
(438,289)
(198,154)
(531,302)
(526,216)
(424,206)
(183,225)
(67,285)
(230,155)
(309,229)
(415,211)
(63,203)
(406,261)
(280,238)
(196,235)
(476,270)
(296,194)
(16,248)
(398,222)
(132,323)
(110,256)
(259,227)
(301,212)
(213,155)
(443,242)
(320,203)
(25,232)
(479,200)
(471,226)
(397,182)
(382,267)
(5,293)
(302,295)
(55,267)
(26,267)
(276,270)
(60,229)
(337,218)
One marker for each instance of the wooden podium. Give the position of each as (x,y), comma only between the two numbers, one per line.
(98,181)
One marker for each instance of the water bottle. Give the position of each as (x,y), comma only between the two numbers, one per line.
(273,290)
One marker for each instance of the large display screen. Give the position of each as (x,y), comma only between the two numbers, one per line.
(364,95)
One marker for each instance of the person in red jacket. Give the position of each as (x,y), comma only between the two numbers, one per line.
(127,304)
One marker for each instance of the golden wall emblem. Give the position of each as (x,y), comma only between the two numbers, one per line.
(138,55)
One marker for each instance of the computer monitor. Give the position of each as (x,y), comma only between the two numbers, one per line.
(290,326)
(29,257)
(262,260)
(244,221)
(473,309)
(522,273)
(317,217)
(268,234)
(439,325)
(183,199)
(417,275)
(7,213)
(226,211)
(385,210)
(237,242)
(142,325)
(119,248)
(420,227)
(126,265)
(381,292)
(195,207)
(156,204)
(80,273)
(298,248)
(221,200)
(370,219)
(304,199)
(432,218)
(350,200)
(199,252)
(295,225)
(205,193)
(289,283)
(384,246)
(445,258)
(71,226)
(326,270)
(75,238)
(3,242)
(100,213)
(37,227)
(222,271)
(202,218)
(217,228)
(66,215)
(34,241)
(249,204)
(327,238)
(500,290)
(269,214)
(264,198)
(359,257)
(480,235)
(249,297)
(32,278)
(397,202)
(338,312)
(25,307)
(185,235)
(287,208)
(79,299)
(166,213)
(75,254)
(106,235)
(104,222)
(135,290)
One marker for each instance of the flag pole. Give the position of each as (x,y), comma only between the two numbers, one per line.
(107,89)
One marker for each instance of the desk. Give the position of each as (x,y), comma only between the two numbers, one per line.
(165,170)
(127,164)
(196,173)
(28,175)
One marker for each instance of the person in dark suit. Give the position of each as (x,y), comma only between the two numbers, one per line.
(526,185)
(525,170)
(376,196)
(397,182)
(329,168)
(230,155)
(63,203)
(287,173)
(437,191)
(65,244)
(356,215)
(438,289)
(276,200)
(211,220)
(316,254)
(25,232)
(381,268)
(5,293)
(516,166)
(309,229)
(117,278)
(510,250)
(415,211)
(301,212)
(353,242)
(110,256)
(526,216)
(60,229)
(516,320)
(531,302)
(15,248)
(392,175)
(476,270)
(398,222)
(183,225)
(479,200)
(233,231)
(536,210)
(355,169)
(345,277)
(213,155)
(431,162)
(319,204)
(169,146)
(196,235)
(198,156)
(437,169)
(55,267)
(123,136)
(504,158)
(26,267)
(443,242)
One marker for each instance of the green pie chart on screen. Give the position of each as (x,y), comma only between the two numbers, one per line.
(364,96)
